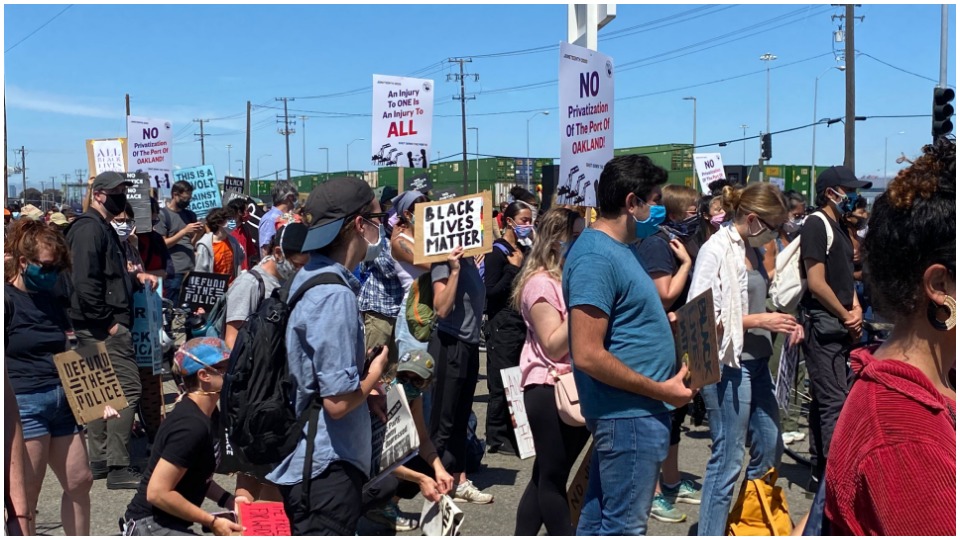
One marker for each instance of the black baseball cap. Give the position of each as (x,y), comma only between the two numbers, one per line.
(109,180)
(329,204)
(291,237)
(840,177)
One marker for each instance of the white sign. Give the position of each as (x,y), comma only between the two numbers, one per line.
(395,442)
(108,156)
(442,518)
(150,149)
(518,411)
(779,182)
(402,121)
(709,169)
(586,123)
(786,374)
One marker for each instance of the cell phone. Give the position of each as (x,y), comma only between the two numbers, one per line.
(375,352)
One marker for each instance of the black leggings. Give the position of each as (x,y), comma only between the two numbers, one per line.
(458,367)
(558,445)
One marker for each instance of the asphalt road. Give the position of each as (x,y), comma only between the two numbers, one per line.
(504,477)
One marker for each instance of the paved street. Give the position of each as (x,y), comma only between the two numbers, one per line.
(505,477)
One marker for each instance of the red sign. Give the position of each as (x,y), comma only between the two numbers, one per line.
(263,519)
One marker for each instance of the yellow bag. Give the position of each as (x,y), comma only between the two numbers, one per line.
(761,509)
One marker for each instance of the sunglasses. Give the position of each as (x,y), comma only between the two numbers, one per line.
(374,215)
(414,381)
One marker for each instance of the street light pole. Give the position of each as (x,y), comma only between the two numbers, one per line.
(744,128)
(813,146)
(240,161)
(303,131)
(767,58)
(229,161)
(527,162)
(477,158)
(258,163)
(885,140)
(327,153)
(693,164)
(348,152)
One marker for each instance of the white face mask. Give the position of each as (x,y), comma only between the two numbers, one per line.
(374,249)
(793,226)
(123,230)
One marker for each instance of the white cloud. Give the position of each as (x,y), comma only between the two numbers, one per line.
(19,98)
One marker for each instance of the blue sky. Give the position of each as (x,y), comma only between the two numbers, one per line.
(66,83)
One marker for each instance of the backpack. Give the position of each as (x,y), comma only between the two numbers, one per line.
(262,427)
(482,267)
(419,309)
(217,320)
(789,282)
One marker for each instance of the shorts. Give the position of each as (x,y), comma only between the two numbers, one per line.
(46,412)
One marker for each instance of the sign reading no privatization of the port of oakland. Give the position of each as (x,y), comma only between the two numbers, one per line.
(586,123)
(709,169)
(150,149)
(402,121)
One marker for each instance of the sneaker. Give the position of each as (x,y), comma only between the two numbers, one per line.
(787,438)
(469,493)
(123,478)
(663,511)
(797,435)
(99,469)
(389,516)
(685,493)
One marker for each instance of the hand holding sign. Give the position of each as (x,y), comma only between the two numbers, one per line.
(462,222)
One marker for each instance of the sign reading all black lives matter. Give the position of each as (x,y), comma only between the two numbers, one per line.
(89,382)
(465,222)
(201,290)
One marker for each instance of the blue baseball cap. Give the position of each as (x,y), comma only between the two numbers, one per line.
(199,353)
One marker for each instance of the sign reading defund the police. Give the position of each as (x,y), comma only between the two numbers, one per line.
(90,382)
(586,123)
(465,222)
(696,340)
(206,192)
(202,290)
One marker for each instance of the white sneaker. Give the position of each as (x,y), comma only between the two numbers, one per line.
(468,492)
(798,435)
(787,438)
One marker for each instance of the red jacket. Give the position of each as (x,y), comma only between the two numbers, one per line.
(892,467)
(248,245)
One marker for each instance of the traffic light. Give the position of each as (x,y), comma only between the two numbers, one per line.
(942,111)
(766,150)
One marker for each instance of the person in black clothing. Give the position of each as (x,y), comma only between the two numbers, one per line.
(505,330)
(184,455)
(100,309)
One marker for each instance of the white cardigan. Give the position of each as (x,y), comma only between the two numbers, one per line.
(721,267)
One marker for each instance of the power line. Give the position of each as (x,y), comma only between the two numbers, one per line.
(861,53)
(50,20)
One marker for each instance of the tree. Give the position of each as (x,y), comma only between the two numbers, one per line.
(32,196)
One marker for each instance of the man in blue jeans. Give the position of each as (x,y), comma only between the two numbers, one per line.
(622,353)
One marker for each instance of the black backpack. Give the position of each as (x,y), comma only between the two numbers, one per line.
(262,427)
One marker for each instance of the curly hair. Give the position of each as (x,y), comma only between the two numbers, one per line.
(913,225)
(26,238)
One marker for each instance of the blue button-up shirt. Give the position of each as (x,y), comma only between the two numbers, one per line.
(325,355)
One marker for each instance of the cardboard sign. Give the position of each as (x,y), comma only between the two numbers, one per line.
(150,149)
(202,290)
(518,411)
(577,491)
(447,225)
(709,169)
(420,182)
(263,519)
(786,374)
(138,195)
(206,192)
(90,382)
(145,333)
(441,518)
(696,340)
(234,184)
(586,122)
(402,121)
(106,155)
(395,442)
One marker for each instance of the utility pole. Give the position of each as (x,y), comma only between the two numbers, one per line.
(303,131)
(203,158)
(286,131)
(767,58)
(23,171)
(463,111)
(744,128)
(127,100)
(850,114)
(944,28)
(246,172)
(229,161)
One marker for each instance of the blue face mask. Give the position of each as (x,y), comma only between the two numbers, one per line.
(231,225)
(847,203)
(523,231)
(411,391)
(37,280)
(651,225)
(566,246)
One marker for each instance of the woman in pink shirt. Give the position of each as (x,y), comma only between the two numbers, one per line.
(539,299)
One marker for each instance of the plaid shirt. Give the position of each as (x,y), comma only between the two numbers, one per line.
(381,291)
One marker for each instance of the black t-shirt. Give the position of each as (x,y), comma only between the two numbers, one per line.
(187,438)
(839,263)
(35,327)
(657,258)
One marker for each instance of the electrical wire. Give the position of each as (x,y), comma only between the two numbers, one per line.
(861,53)
(50,20)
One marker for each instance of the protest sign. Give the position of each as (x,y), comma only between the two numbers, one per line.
(696,340)
(786,374)
(234,184)
(518,411)
(263,519)
(138,195)
(145,333)
(149,149)
(202,290)
(395,442)
(441,518)
(206,192)
(449,224)
(577,491)
(586,122)
(709,169)
(446,194)
(90,382)
(106,155)
(252,225)
(420,182)
(402,121)
(779,182)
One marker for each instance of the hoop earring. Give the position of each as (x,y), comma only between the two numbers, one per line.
(934,311)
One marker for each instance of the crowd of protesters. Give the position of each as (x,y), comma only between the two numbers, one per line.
(563,290)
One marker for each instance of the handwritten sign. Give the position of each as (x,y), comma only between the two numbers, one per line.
(138,195)
(786,374)
(709,169)
(147,319)
(202,290)
(234,184)
(696,340)
(577,491)
(454,223)
(206,192)
(518,411)
(90,382)
(395,442)
(263,519)
(106,155)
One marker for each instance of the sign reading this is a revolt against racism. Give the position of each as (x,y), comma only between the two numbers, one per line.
(402,121)
(206,192)
(586,123)
(465,222)
(149,149)
(709,169)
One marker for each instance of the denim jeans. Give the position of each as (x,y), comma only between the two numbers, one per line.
(742,402)
(624,468)
(171,288)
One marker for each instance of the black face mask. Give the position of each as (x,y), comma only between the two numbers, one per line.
(183,205)
(115,203)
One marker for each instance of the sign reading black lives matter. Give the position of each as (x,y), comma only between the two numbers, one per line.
(201,290)
(233,184)
(696,340)
(90,382)
(461,222)
(138,195)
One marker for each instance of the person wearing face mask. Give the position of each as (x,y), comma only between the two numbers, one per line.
(180,229)
(35,325)
(124,225)
(100,310)
(742,406)
(505,330)
(218,251)
(284,195)
(240,208)
(327,362)
(796,215)
(623,358)
(151,246)
(830,310)
(855,222)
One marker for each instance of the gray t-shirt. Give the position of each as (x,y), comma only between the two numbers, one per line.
(464,321)
(242,296)
(182,253)
(757,342)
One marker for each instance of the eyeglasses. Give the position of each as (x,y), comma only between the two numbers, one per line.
(765,224)
(414,381)
(128,221)
(373,215)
